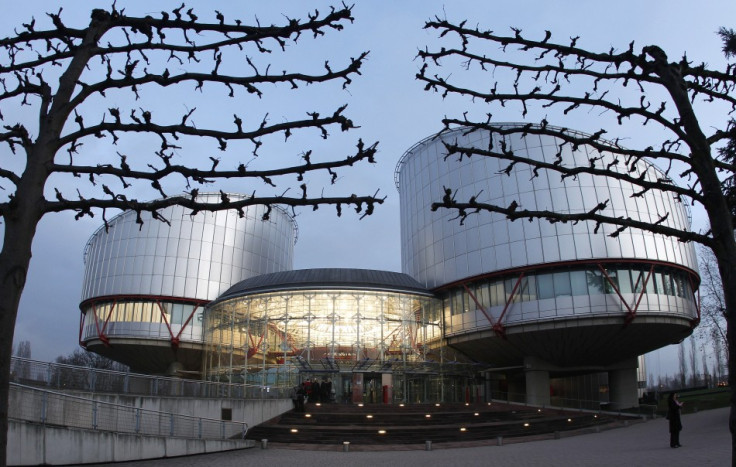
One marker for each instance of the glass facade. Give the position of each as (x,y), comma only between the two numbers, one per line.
(437,249)
(196,257)
(575,291)
(563,293)
(149,282)
(144,317)
(372,344)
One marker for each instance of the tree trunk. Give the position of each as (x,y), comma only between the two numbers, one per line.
(727,267)
(14,260)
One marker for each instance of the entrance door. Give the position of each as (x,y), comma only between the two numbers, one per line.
(372,388)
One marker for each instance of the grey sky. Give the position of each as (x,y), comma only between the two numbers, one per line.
(386,101)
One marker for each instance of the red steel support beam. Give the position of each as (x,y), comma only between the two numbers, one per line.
(174,340)
(478,304)
(183,326)
(499,328)
(81,328)
(100,333)
(631,312)
(107,320)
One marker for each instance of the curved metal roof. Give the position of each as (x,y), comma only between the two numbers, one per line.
(327,278)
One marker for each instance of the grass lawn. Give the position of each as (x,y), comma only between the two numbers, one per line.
(701,399)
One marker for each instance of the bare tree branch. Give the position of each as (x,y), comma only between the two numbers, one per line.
(87,68)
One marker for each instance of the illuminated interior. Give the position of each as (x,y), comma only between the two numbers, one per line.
(280,339)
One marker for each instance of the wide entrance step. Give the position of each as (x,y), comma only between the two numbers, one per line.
(418,423)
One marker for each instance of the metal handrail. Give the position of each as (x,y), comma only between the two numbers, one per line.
(60,409)
(71,377)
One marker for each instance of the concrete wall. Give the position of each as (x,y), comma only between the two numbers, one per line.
(32,443)
(35,444)
(252,412)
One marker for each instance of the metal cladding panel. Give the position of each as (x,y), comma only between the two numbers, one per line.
(437,249)
(196,256)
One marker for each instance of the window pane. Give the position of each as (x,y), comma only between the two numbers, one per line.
(497,296)
(481,293)
(624,280)
(530,288)
(611,279)
(680,285)
(659,283)
(651,282)
(669,287)
(509,285)
(594,278)
(562,284)
(545,286)
(578,284)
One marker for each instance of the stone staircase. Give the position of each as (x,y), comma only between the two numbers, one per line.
(379,424)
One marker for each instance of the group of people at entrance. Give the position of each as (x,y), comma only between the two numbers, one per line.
(312,391)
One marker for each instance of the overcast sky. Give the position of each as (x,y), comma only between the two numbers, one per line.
(386,101)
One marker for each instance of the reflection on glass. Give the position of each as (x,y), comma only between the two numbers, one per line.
(587,281)
(283,330)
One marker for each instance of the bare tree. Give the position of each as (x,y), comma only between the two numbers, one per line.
(68,375)
(718,351)
(682,365)
(66,91)
(707,377)
(638,85)
(22,369)
(87,359)
(712,304)
(693,362)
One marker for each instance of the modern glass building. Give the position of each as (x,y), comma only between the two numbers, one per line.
(547,300)
(375,334)
(146,285)
(533,311)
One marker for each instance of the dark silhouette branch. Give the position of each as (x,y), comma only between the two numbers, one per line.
(90,68)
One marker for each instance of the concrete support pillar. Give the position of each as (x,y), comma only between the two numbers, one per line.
(622,385)
(537,381)
(515,388)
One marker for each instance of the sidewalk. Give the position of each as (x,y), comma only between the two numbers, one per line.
(705,438)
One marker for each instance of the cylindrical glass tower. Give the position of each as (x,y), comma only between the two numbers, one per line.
(146,285)
(538,284)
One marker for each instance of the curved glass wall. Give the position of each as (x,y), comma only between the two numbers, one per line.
(437,249)
(143,317)
(147,283)
(574,291)
(278,339)
(195,256)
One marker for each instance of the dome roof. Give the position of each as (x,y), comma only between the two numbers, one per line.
(327,278)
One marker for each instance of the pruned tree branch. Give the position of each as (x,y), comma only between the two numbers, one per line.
(551,74)
(72,97)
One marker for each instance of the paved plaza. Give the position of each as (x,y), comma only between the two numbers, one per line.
(705,438)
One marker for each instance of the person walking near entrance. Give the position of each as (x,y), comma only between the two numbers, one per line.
(673,415)
(294,395)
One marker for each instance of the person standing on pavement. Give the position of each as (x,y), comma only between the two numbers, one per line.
(673,415)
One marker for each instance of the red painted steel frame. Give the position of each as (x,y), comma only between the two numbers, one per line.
(631,312)
(500,329)
(114,300)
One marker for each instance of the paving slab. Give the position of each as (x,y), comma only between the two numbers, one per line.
(705,438)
